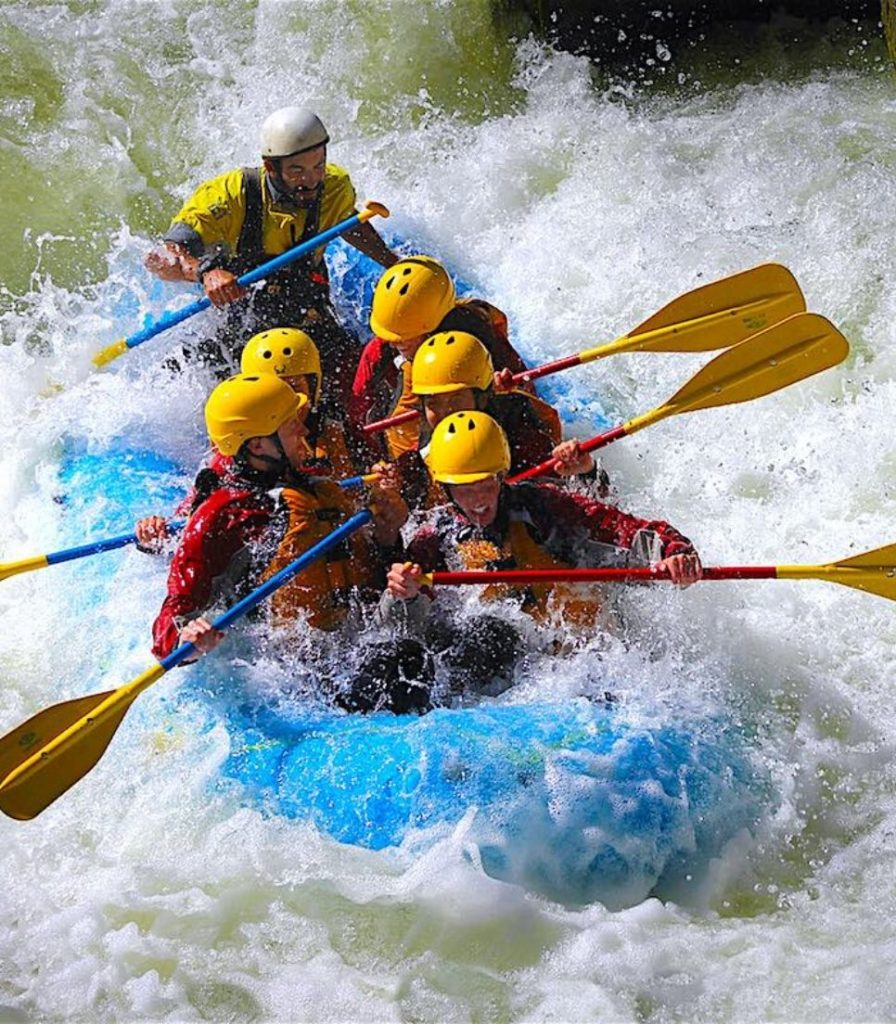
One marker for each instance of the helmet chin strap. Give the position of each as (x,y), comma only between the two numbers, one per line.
(278,464)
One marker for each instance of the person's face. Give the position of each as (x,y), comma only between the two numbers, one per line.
(302,174)
(478,501)
(293,434)
(437,407)
(407,347)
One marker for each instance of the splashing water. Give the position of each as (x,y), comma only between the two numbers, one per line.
(579,207)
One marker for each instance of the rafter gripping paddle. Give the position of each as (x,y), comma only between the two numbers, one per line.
(781,355)
(167,320)
(716,315)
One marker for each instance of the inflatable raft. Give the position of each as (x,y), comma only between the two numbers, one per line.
(576,801)
(579,801)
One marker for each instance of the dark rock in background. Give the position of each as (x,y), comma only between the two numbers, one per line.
(641,37)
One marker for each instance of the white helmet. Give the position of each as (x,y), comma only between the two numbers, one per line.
(292,130)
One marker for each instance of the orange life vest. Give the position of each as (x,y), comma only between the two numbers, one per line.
(405,436)
(567,603)
(320,592)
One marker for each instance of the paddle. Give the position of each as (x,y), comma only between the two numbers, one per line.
(874,572)
(716,315)
(45,756)
(8,569)
(167,320)
(783,354)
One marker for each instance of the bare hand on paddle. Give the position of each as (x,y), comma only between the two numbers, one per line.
(403,580)
(570,460)
(222,287)
(503,381)
(202,635)
(171,263)
(152,532)
(683,570)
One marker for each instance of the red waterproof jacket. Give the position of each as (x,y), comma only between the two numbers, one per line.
(226,544)
(571,528)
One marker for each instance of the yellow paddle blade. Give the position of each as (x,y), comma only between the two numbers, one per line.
(874,572)
(25,793)
(8,569)
(781,355)
(722,313)
(49,753)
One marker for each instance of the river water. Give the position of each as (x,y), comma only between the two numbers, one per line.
(579,206)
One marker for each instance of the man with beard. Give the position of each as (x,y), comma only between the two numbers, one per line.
(244,217)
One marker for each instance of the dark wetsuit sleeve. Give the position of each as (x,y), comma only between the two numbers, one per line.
(183,235)
(213,536)
(572,513)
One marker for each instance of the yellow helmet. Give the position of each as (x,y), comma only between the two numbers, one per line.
(411,298)
(451,361)
(285,351)
(467,447)
(249,405)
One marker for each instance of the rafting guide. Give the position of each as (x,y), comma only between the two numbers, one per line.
(242,218)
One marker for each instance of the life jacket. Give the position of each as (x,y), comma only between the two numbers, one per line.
(404,437)
(546,602)
(321,592)
(299,285)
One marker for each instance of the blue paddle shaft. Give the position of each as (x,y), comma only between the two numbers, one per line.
(290,256)
(111,543)
(267,588)
(55,557)
(349,482)
(94,548)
